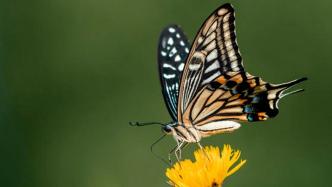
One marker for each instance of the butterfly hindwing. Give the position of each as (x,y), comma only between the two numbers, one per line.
(240,97)
(173,50)
(235,96)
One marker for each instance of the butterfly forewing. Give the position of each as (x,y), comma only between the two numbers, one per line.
(173,50)
(214,52)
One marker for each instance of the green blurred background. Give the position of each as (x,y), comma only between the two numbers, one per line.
(74,72)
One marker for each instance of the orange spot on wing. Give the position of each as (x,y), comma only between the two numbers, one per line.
(221,80)
(262,116)
(238,78)
(251,82)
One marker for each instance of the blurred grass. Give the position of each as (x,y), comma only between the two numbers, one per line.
(73,73)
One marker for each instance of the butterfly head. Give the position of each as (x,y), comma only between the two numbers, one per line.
(168,128)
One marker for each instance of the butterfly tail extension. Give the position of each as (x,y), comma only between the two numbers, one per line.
(288,85)
(265,104)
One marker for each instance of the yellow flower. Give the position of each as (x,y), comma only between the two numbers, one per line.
(209,170)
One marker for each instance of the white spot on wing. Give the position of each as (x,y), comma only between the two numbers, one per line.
(171,30)
(181,66)
(170,76)
(170,41)
(182,43)
(169,66)
(163,53)
(173,51)
(178,35)
(187,50)
(177,58)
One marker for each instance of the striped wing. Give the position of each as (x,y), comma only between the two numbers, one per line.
(235,96)
(214,52)
(215,90)
(172,53)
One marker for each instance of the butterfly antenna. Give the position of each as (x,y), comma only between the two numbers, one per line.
(145,123)
(156,155)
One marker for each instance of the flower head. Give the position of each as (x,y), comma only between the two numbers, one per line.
(209,169)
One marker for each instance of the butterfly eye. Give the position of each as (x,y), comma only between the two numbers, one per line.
(167,129)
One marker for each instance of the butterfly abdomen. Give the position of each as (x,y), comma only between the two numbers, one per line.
(186,133)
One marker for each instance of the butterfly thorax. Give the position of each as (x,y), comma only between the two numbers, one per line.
(182,133)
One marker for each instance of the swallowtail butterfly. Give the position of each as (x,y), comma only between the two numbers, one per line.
(206,88)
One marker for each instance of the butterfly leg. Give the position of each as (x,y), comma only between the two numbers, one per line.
(170,154)
(173,150)
(177,150)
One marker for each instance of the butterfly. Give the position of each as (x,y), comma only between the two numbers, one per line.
(205,86)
